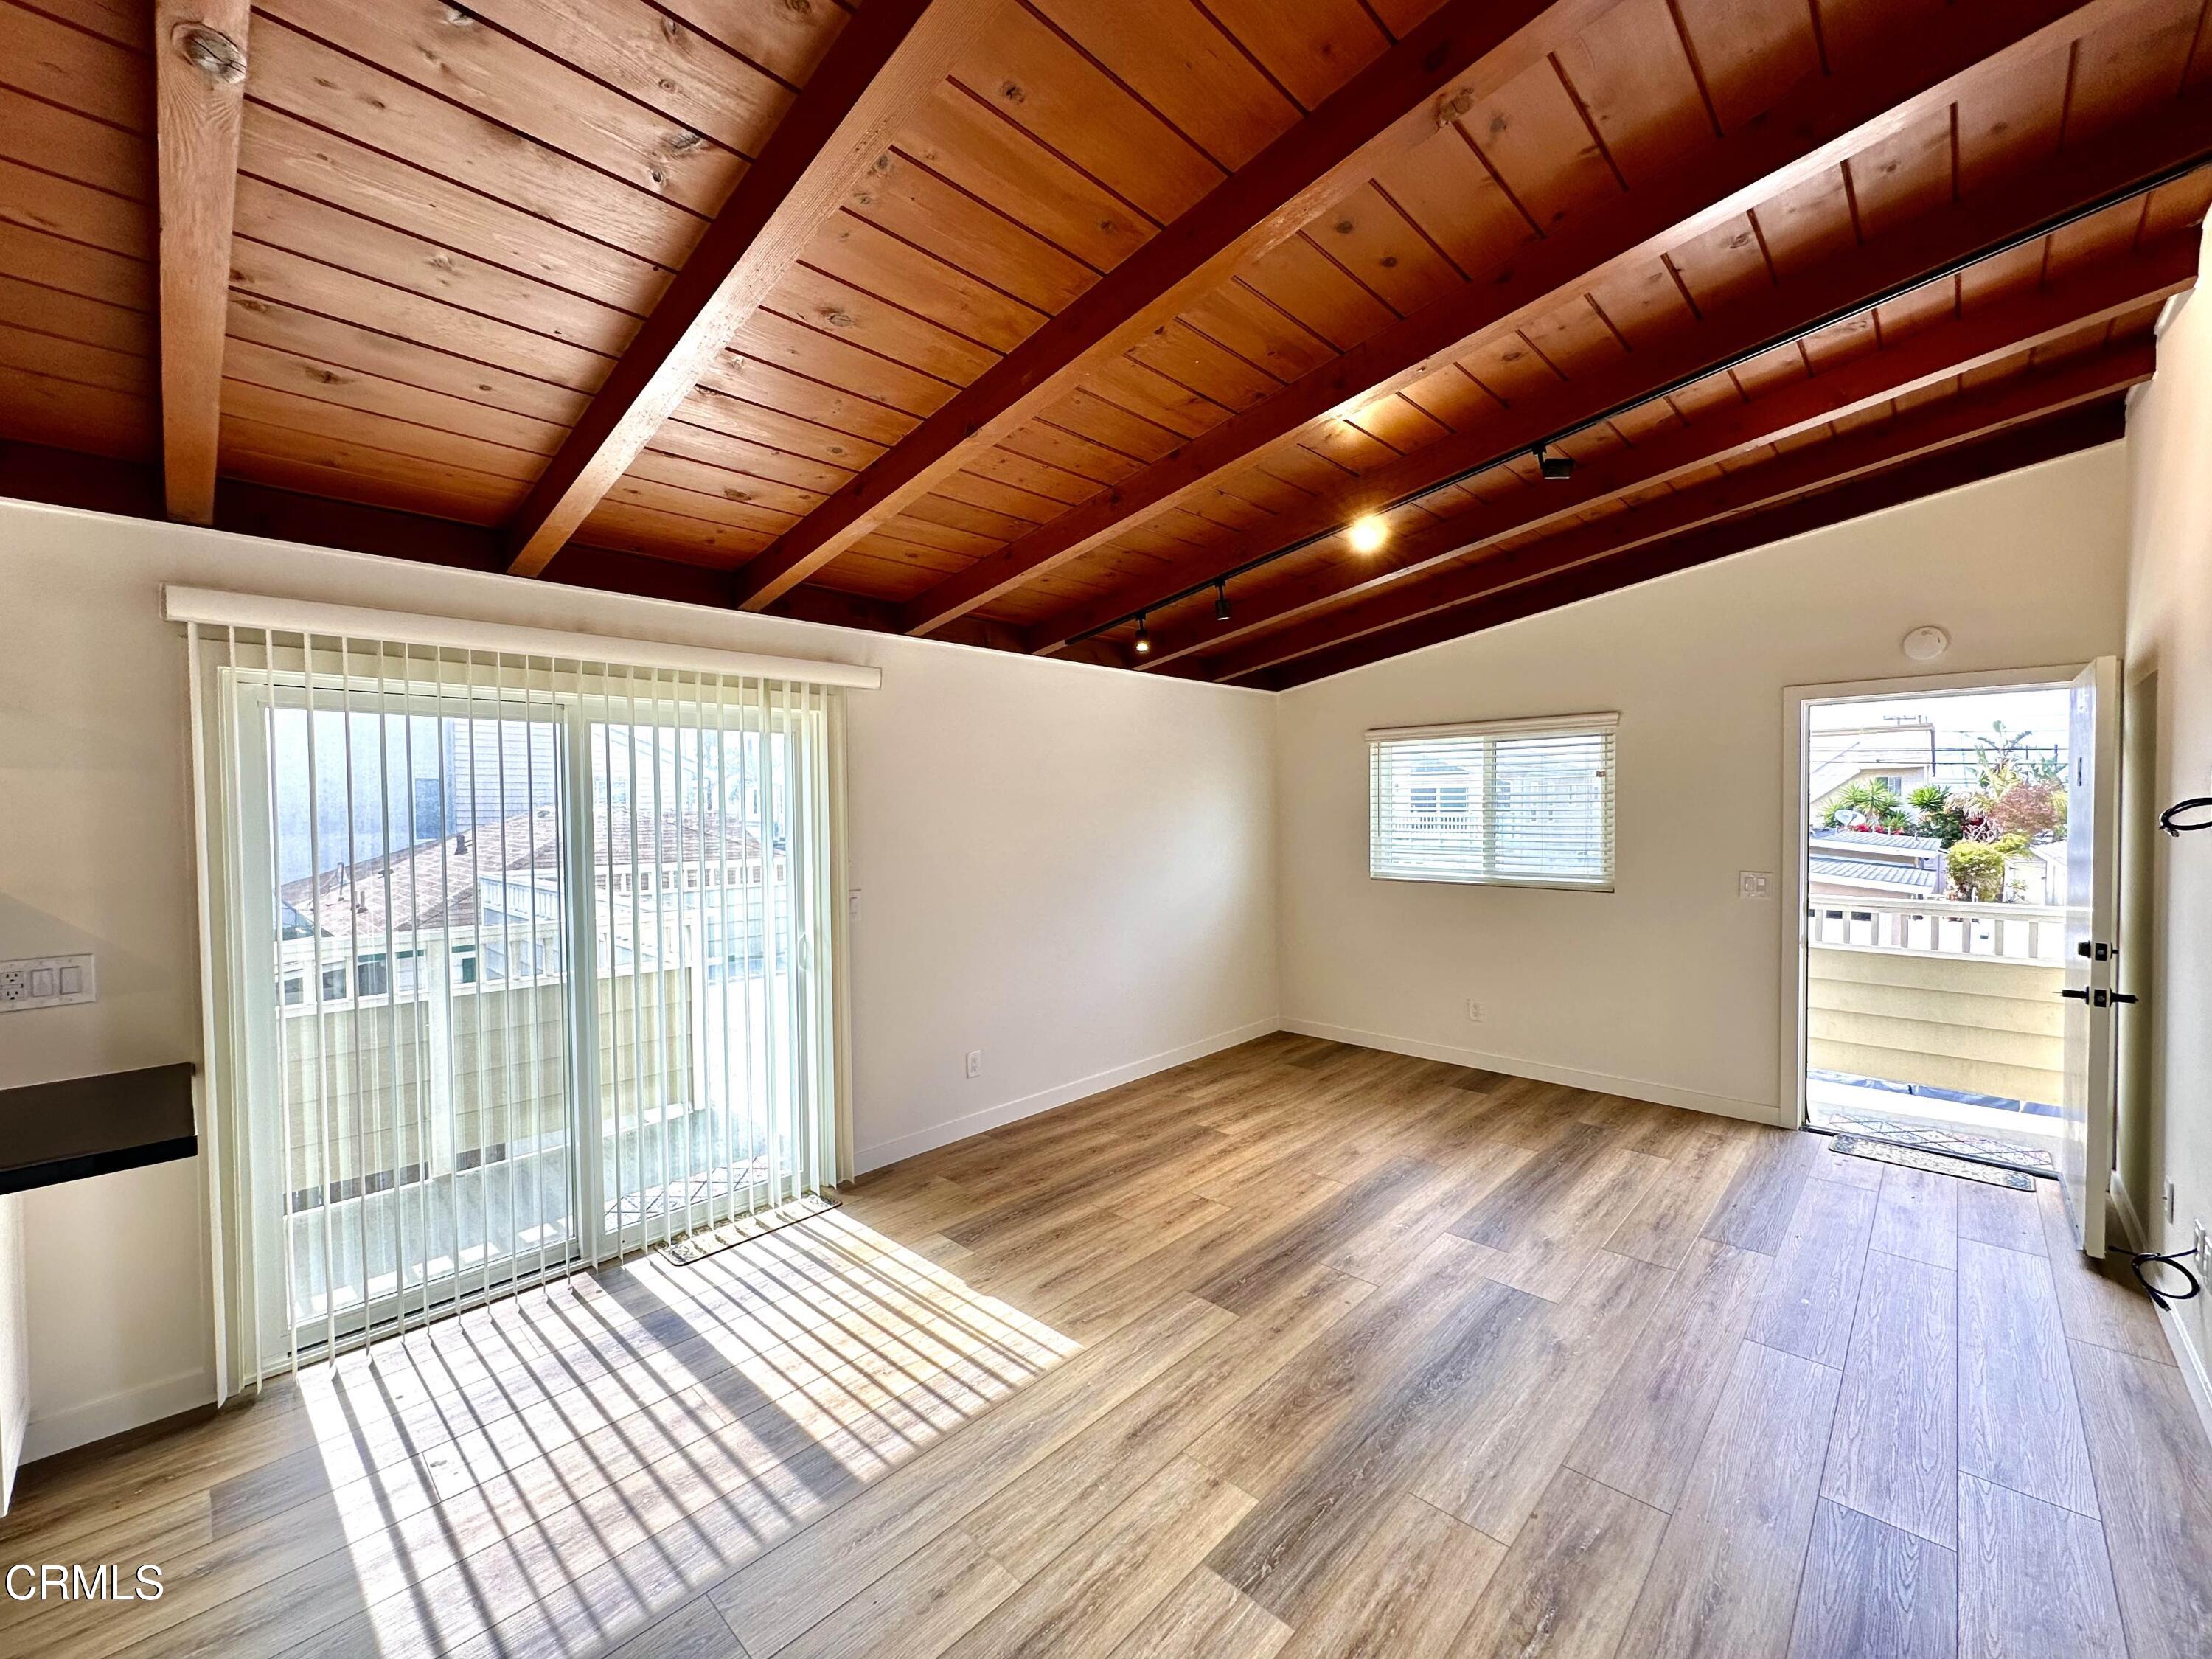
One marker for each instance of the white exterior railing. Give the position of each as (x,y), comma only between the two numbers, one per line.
(1943,927)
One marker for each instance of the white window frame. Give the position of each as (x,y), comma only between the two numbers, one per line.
(1481,803)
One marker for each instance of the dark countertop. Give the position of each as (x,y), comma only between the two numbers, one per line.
(55,1132)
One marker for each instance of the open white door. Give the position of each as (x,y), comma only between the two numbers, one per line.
(2093,798)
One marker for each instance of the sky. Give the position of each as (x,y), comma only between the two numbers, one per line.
(1961,718)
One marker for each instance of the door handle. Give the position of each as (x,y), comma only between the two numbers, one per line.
(2080,996)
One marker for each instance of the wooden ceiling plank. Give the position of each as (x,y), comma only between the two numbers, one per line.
(883,65)
(662,63)
(76,146)
(2178,133)
(502,78)
(1463,53)
(1864,387)
(283,218)
(2042,437)
(74,317)
(328,167)
(281,370)
(76,268)
(91,418)
(75,69)
(348,348)
(1805,139)
(63,207)
(299,74)
(200,79)
(97,366)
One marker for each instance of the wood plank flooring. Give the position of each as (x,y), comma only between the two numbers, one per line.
(1300,1350)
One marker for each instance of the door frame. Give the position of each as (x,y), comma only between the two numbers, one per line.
(1789,1087)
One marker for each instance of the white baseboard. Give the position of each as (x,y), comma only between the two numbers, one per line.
(11,1451)
(1665,1094)
(95,1419)
(866,1158)
(2185,1356)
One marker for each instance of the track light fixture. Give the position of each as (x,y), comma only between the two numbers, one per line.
(1556,466)
(1369,533)
(1144,638)
(1221,601)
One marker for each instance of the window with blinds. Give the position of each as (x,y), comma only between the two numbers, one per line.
(1508,803)
(514,963)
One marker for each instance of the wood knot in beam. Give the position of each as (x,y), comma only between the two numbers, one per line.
(210,51)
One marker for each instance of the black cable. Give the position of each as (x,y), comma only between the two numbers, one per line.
(2165,819)
(2163,1298)
(1952,267)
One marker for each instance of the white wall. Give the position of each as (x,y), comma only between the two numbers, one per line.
(2165,1120)
(1669,987)
(1069,868)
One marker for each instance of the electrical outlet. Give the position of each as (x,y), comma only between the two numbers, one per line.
(2203,1245)
(974,1062)
(1473,1012)
(2169,1200)
(46,982)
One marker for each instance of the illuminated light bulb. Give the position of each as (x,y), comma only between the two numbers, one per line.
(1369,533)
(1144,638)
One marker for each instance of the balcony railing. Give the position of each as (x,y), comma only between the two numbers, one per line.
(1943,927)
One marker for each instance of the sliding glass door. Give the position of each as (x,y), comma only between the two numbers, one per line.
(411,1060)
(529,965)
(708,921)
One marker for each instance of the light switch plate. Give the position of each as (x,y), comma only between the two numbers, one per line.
(46,982)
(1754,884)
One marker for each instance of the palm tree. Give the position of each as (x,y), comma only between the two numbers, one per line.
(1877,805)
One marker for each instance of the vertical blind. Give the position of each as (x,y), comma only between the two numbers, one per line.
(512,963)
(1520,803)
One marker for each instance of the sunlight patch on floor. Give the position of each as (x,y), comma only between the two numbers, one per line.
(696,1414)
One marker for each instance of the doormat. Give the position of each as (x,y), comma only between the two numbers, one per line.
(698,1247)
(1936,1138)
(1912,1157)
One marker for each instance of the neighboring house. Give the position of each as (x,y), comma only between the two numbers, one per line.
(1898,754)
(506,876)
(1850,863)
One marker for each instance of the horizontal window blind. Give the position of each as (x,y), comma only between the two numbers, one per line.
(1518,803)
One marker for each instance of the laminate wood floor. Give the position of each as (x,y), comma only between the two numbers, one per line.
(1299,1350)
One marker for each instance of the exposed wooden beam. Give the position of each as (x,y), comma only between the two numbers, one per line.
(1966,419)
(1461,53)
(199,91)
(887,59)
(1838,284)
(1807,132)
(2025,445)
(1936,354)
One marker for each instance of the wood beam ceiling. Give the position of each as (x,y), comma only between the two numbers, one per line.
(199,91)
(1937,353)
(1838,287)
(886,60)
(1963,419)
(1463,53)
(2043,437)
(1805,134)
